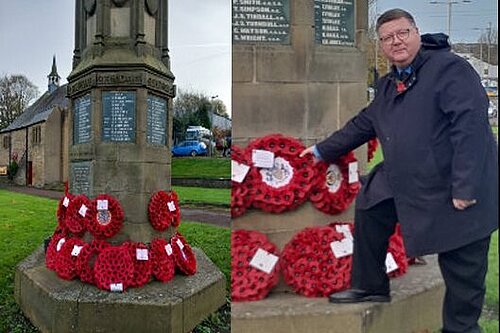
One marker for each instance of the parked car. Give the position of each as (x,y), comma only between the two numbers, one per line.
(189,148)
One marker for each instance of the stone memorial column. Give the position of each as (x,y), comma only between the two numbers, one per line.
(299,69)
(122,89)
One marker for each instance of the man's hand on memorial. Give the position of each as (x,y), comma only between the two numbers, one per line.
(308,150)
(461,204)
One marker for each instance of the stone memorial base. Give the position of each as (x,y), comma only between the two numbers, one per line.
(415,308)
(56,305)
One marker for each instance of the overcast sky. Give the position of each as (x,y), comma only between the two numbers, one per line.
(32,31)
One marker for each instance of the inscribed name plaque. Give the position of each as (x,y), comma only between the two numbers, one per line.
(334,22)
(156,120)
(80,177)
(261,21)
(118,116)
(82,120)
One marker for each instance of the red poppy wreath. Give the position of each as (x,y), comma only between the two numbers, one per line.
(143,266)
(62,209)
(86,260)
(286,184)
(56,242)
(397,250)
(66,259)
(332,191)
(372,148)
(163,260)
(240,190)
(114,269)
(254,269)
(106,217)
(184,256)
(164,210)
(309,265)
(78,215)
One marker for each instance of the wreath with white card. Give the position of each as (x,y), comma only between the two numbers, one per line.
(106,217)
(241,185)
(282,179)
(164,211)
(336,184)
(78,215)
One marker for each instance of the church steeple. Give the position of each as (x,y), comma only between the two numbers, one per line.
(53,76)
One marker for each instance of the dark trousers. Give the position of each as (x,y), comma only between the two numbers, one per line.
(463,269)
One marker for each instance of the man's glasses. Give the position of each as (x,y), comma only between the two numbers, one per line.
(402,35)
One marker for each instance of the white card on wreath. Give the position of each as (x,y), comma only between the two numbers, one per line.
(264,261)
(168,249)
(102,204)
(179,243)
(262,158)
(116,287)
(342,248)
(353,172)
(76,250)
(141,254)
(60,244)
(66,202)
(345,230)
(238,171)
(83,210)
(171,206)
(390,263)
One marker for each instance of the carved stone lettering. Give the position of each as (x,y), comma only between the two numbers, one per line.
(334,22)
(81,177)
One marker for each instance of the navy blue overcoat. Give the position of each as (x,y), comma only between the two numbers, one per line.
(437,145)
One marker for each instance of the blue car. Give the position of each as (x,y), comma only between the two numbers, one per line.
(190,148)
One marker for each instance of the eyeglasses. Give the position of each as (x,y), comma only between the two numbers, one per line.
(402,35)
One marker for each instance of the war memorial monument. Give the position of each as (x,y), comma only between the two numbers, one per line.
(121,89)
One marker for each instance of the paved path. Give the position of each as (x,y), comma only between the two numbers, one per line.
(217,217)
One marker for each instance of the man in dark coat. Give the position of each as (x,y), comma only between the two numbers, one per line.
(439,177)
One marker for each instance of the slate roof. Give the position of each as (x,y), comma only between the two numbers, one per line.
(40,110)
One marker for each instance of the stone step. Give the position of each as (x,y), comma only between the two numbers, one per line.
(415,307)
(56,305)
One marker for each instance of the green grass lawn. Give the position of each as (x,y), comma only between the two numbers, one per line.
(25,221)
(198,196)
(201,167)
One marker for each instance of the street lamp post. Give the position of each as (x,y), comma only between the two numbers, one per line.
(450,4)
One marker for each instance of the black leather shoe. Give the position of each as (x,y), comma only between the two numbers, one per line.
(357,296)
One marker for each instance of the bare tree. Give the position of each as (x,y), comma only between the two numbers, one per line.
(16,92)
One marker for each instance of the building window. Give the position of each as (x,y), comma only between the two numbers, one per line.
(36,135)
(6,141)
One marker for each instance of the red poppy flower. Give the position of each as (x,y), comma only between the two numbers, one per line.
(249,283)
(397,250)
(309,265)
(240,191)
(114,269)
(78,214)
(332,193)
(86,260)
(55,245)
(184,256)
(164,210)
(106,217)
(163,260)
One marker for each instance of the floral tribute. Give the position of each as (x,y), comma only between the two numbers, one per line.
(398,252)
(164,210)
(116,267)
(287,184)
(249,280)
(78,215)
(106,217)
(240,190)
(163,260)
(332,190)
(184,257)
(372,148)
(309,265)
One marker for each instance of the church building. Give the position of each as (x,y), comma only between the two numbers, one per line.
(38,139)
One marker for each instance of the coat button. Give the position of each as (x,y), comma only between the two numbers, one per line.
(387,138)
